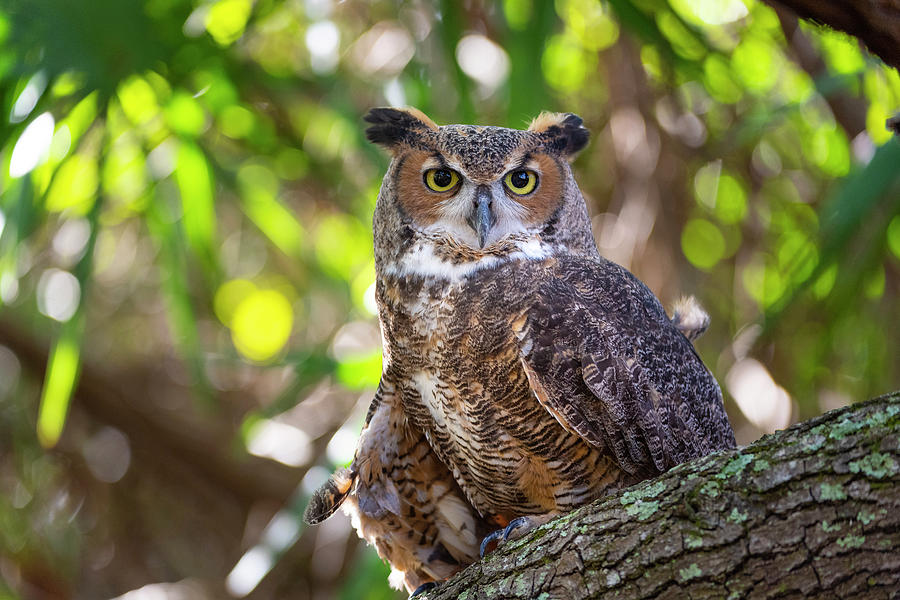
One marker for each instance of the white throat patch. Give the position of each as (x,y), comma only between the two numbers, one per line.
(422,260)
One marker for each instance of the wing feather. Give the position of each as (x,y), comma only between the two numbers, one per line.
(602,357)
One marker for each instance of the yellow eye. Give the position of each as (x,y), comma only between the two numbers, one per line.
(441,180)
(521,182)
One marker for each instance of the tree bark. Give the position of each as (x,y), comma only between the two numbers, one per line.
(812,511)
(875,22)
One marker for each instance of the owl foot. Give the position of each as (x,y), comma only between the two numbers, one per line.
(423,588)
(516,529)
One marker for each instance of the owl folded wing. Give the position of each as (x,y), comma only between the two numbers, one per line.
(621,377)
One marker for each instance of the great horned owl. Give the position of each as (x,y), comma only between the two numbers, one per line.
(524,374)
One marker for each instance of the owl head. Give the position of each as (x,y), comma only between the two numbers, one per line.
(467,193)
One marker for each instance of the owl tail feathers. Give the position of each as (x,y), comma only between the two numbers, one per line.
(690,318)
(329,497)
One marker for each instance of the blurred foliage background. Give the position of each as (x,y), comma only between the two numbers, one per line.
(187,331)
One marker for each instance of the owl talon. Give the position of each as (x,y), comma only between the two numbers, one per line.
(496,536)
(502,535)
(423,588)
(515,524)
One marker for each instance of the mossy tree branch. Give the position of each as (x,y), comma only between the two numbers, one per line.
(812,511)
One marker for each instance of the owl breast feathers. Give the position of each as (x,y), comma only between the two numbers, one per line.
(524,374)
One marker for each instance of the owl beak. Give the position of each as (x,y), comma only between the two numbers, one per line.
(481,219)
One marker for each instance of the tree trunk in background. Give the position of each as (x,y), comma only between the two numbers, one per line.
(812,511)
(874,22)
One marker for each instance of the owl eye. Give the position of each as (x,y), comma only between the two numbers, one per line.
(521,182)
(441,180)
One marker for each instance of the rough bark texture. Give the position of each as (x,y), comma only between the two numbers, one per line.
(812,511)
(875,22)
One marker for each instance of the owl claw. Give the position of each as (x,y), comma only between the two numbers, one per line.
(503,535)
(496,536)
(423,588)
(515,524)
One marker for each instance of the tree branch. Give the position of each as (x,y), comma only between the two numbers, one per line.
(812,511)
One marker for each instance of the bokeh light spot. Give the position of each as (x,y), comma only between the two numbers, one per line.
(755,62)
(185,115)
(33,146)
(893,236)
(229,295)
(74,186)
(565,64)
(58,294)
(261,324)
(227,19)
(483,60)
(702,243)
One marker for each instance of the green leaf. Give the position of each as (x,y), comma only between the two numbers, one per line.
(195,185)
(64,364)
(62,373)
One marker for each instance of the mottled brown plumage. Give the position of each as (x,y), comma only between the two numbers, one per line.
(524,374)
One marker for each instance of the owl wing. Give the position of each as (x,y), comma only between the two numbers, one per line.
(602,356)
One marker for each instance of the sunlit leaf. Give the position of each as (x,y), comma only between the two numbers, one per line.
(565,64)
(138,100)
(731,200)
(590,23)
(215,89)
(719,80)
(124,170)
(75,185)
(81,116)
(756,64)
(62,373)
(828,149)
(683,40)
(763,283)
(517,13)
(876,116)
(236,121)
(841,51)
(893,236)
(797,256)
(185,115)
(825,282)
(227,19)
(195,186)
(229,295)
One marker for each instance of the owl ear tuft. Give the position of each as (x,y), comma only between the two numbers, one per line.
(565,133)
(394,126)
